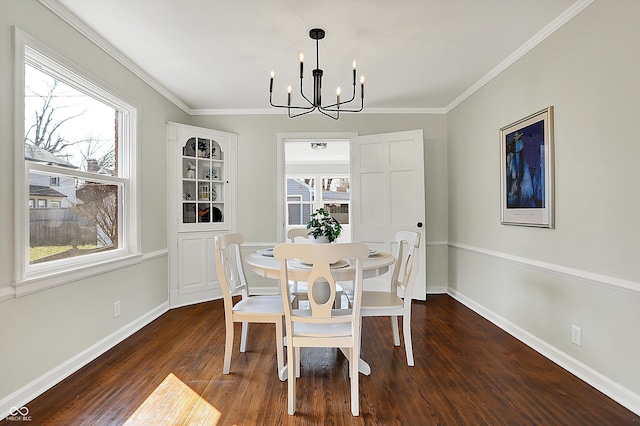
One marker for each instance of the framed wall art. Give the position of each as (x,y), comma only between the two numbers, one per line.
(527,171)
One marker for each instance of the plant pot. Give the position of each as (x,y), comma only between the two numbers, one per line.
(320,240)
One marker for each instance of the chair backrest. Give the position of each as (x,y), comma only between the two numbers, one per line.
(405,268)
(319,258)
(297,232)
(229,267)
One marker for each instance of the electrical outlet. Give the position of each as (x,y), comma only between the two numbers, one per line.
(576,335)
(116,309)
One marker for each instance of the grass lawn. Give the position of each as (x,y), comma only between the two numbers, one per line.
(36,253)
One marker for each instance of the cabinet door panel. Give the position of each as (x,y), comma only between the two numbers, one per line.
(191,249)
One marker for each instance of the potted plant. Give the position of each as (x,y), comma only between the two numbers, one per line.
(323,227)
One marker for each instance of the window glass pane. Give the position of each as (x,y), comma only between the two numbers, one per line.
(300,198)
(68,128)
(299,214)
(304,188)
(335,196)
(86,222)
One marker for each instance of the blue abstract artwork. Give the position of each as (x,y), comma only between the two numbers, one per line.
(525,162)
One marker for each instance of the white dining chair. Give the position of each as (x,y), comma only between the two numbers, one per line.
(392,303)
(321,325)
(299,289)
(293,233)
(249,309)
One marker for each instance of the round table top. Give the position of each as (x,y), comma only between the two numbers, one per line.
(269,267)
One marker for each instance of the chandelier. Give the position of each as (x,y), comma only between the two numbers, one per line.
(315,103)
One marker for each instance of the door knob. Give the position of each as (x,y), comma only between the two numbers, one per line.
(419,224)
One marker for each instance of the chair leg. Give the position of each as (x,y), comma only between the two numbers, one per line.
(353,371)
(291,377)
(279,344)
(408,345)
(243,337)
(228,346)
(298,358)
(394,327)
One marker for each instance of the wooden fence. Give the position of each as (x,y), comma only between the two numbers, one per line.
(60,227)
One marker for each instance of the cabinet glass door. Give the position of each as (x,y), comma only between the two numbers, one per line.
(203,163)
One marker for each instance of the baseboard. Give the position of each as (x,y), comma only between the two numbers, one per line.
(27,393)
(177,300)
(613,390)
(435,289)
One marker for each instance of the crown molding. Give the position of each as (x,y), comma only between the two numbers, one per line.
(99,41)
(565,17)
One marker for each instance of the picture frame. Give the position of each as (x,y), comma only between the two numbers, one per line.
(527,171)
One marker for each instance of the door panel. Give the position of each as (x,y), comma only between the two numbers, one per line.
(387,172)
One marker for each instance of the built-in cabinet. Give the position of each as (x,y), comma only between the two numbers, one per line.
(202,204)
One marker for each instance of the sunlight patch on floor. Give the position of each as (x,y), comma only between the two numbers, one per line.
(173,402)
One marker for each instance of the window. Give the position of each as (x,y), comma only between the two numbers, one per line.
(79,143)
(304,197)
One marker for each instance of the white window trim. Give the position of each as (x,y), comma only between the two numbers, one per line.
(32,278)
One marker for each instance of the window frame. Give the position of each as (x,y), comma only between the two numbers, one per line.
(30,278)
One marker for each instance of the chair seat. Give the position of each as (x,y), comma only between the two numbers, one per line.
(321,330)
(380,299)
(261,305)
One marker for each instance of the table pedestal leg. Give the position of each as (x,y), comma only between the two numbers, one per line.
(363,367)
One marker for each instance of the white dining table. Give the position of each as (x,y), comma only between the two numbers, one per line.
(375,265)
(269,267)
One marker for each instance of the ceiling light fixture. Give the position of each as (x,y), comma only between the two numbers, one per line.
(318,145)
(332,110)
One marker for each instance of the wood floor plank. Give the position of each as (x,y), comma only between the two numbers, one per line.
(467,371)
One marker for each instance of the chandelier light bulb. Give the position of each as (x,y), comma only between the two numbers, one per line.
(301,56)
(353,64)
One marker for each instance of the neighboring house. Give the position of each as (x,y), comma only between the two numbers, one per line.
(63,185)
(300,193)
(42,197)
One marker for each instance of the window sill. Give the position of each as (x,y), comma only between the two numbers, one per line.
(31,285)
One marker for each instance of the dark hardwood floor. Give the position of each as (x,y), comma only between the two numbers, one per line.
(467,372)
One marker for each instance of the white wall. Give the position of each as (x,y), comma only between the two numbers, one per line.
(257,199)
(44,334)
(538,282)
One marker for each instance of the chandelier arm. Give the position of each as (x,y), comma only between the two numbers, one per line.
(289,106)
(322,110)
(329,108)
(309,110)
(303,95)
(341,102)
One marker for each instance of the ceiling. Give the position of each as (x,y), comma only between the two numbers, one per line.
(215,56)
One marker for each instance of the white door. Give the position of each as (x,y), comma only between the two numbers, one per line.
(387,178)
